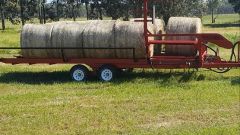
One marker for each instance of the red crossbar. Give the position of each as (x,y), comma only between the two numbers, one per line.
(173,42)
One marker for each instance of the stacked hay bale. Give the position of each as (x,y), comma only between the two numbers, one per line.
(182,25)
(105,34)
(90,34)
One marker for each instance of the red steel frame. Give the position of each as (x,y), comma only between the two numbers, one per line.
(161,62)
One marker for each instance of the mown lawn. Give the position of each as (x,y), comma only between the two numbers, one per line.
(42,99)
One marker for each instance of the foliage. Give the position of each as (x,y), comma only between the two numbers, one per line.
(166,9)
(114,8)
(12,11)
(236,4)
(96,9)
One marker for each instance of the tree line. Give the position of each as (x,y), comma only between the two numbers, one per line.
(20,11)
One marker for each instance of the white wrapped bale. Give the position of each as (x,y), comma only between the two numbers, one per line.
(182,25)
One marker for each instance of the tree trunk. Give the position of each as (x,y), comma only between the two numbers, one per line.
(212,16)
(73,13)
(40,12)
(78,8)
(99,11)
(86,5)
(21,12)
(100,14)
(44,13)
(3,17)
(57,8)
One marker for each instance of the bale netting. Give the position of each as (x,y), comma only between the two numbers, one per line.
(85,34)
(182,25)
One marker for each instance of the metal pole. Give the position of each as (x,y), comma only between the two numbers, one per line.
(154,15)
(145,27)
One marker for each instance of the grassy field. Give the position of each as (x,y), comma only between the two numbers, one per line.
(42,99)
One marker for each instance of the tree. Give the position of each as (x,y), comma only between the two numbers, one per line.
(113,8)
(2,3)
(225,8)
(236,4)
(96,10)
(51,13)
(22,3)
(57,9)
(86,5)
(165,8)
(168,8)
(42,11)
(72,8)
(212,6)
(12,11)
(136,7)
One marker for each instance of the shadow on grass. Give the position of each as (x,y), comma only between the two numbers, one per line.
(236,81)
(162,77)
(222,25)
(64,77)
(165,78)
(35,77)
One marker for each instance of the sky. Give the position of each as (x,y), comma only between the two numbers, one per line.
(48,1)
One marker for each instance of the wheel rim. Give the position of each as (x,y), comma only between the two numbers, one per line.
(78,75)
(107,75)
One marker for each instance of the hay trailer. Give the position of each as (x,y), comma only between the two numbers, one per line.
(107,68)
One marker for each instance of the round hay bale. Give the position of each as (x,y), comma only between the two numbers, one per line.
(182,25)
(159,28)
(68,34)
(29,38)
(88,34)
(131,34)
(99,34)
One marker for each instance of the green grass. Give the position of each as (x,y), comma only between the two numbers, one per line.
(226,24)
(222,19)
(42,99)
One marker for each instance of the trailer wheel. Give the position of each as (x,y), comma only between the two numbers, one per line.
(79,73)
(106,73)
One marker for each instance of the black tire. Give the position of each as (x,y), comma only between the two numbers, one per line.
(79,73)
(107,73)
